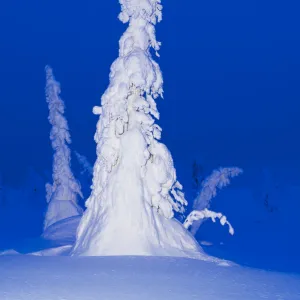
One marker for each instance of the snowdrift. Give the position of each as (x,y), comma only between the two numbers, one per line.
(136,278)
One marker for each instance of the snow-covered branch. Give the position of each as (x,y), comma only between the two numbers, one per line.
(217,180)
(197,215)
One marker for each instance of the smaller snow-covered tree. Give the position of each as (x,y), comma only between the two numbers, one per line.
(217,180)
(63,193)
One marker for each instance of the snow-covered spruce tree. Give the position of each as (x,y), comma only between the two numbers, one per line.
(135,191)
(62,194)
(217,180)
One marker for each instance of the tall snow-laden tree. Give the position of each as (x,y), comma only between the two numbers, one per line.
(63,193)
(135,192)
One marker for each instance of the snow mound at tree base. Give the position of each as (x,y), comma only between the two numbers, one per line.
(149,234)
(59,238)
(63,232)
(136,278)
(56,251)
(59,210)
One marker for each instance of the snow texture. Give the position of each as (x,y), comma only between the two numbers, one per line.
(217,180)
(135,191)
(136,278)
(62,195)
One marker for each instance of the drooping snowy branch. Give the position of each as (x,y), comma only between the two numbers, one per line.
(197,215)
(135,191)
(217,180)
(65,187)
(85,164)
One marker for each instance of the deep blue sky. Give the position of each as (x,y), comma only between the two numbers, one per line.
(231,70)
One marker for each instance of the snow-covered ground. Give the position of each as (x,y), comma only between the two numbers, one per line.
(140,278)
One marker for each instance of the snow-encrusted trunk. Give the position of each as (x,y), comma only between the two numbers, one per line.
(135,191)
(62,195)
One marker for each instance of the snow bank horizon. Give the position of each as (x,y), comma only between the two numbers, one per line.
(135,278)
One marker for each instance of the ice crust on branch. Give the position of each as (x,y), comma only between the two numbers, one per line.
(217,180)
(135,191)
(62,194)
